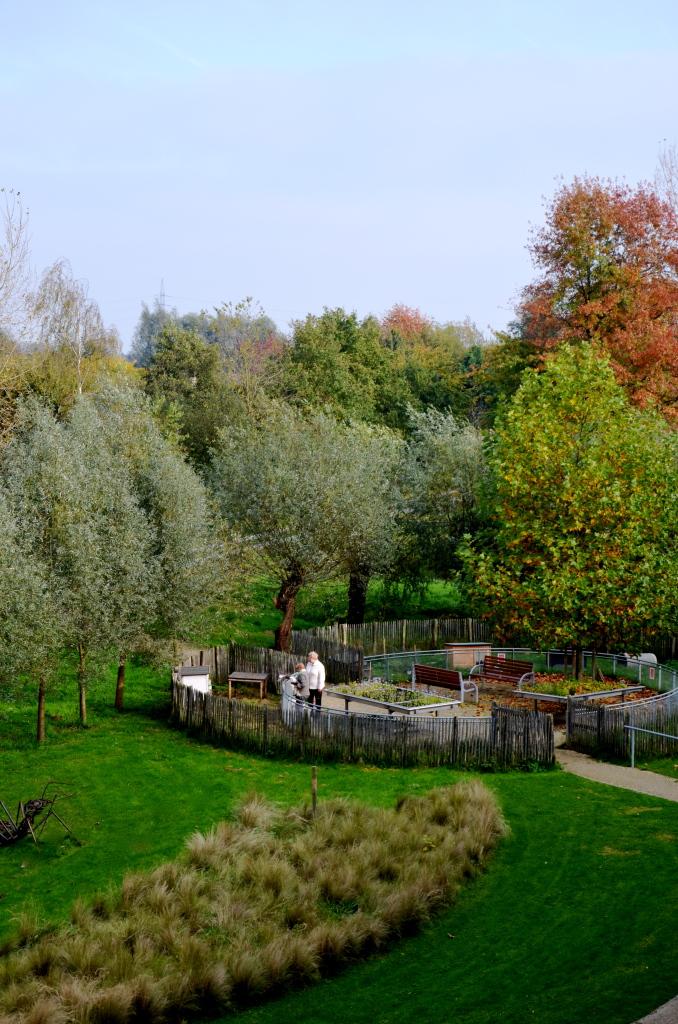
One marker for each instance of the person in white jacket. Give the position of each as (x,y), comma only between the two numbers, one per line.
(316,678)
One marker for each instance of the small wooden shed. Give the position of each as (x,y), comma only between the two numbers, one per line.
(196,676)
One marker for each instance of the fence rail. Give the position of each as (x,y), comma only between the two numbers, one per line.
(507,738)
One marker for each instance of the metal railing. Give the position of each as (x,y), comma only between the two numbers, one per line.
(398,665)
(633,729)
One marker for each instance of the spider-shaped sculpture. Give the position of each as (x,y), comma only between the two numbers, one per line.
(31,818)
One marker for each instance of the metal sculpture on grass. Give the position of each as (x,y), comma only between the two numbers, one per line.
(30,818)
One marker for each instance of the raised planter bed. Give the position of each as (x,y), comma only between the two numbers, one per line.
(392,698)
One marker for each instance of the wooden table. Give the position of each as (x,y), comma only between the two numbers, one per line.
(248,677)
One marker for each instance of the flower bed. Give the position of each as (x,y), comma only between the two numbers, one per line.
(565,686)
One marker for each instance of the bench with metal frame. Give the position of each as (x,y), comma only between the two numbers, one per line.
(503,670)
(445,678)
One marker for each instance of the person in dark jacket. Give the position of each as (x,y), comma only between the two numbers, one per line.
(300,682)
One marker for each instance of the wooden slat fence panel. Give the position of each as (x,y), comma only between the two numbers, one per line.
(343,665)
(395,635)
(600,729)
(507,738)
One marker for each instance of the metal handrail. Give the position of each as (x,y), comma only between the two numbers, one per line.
(633,729)
(618,661)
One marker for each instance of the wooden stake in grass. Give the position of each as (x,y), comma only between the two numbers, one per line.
(314,789)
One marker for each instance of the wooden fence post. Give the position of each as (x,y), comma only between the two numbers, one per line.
(314,789)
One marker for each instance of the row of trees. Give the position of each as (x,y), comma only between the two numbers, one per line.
(108,537)
(318,498)
(347,450)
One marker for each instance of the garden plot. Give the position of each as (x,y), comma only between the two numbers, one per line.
(391,699)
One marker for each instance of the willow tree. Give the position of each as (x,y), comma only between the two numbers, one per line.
(368,495)
(31,619)
(443,474)
(187,554)
(83,522)
(297,489)
(585,513)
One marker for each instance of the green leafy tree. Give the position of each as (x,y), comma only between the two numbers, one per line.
(584,510)
(147,331)
(369,488)
(293,488)
(442,481)
(83,522)
(188,555)
(186,375)
(339,362)
(31,617)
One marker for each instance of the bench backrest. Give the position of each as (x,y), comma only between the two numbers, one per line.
(502,668)
(448,678)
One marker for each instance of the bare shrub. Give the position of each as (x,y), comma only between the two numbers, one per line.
(273,900)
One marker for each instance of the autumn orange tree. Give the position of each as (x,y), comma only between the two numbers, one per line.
(608,257)
(584,510)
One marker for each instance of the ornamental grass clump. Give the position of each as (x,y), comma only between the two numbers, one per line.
(275,899)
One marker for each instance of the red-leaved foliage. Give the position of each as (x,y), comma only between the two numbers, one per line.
(608,255)
(405,321)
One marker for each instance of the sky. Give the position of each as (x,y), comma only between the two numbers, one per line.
(313,154)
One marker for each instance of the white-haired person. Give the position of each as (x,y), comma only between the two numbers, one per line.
(315,671)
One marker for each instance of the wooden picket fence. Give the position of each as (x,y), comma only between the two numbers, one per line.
(600,729)
(396,635)
(505,739)
(342,664)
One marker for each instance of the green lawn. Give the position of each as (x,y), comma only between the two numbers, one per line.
(663,765)
(323,603)
(573,922)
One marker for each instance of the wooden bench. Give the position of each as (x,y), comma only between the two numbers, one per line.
(446,678)
(501,670)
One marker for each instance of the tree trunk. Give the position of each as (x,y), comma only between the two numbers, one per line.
(120,684)
(40,734)
(286,602)
(82,690)
(578,660)
(357,596)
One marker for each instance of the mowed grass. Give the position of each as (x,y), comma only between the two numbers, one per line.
(663,765)
(320,604)
(573,922)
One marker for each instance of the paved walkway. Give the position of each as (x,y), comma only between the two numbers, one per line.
(650,783)
(666,1014)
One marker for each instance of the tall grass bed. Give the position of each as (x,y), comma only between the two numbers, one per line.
(272,900)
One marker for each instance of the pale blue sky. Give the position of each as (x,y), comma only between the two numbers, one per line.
(312,154)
